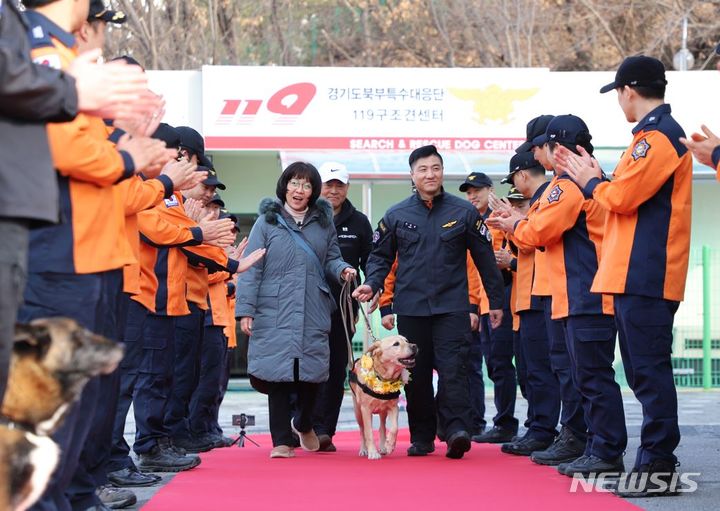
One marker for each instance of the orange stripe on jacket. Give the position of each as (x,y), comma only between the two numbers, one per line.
(649,202)
(230,330)
(475,289)
(218,298)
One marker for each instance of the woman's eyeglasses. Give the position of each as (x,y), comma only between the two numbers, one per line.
(294,184)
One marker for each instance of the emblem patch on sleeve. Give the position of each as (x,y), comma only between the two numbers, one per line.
(640,150)
(554,194)
(376,237)
(172,202)
(52,60)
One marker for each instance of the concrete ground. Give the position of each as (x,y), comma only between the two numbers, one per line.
(699,450)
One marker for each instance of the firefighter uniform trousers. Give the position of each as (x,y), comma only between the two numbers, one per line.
(645,334)
(443,342)
(572,415)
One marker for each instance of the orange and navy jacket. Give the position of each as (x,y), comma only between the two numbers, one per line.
(136,195)
(90,237)
(570,227)
(166,232)
(204,260)
(716,160)
(649,202)
(475,289)
(163,266)
(218,312)
(527,269)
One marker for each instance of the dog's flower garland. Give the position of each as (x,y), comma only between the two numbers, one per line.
(373,382)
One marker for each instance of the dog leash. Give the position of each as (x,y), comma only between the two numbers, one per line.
(347,313)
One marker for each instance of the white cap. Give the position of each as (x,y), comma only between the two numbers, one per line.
(333,170)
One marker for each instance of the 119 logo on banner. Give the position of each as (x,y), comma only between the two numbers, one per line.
(287,104)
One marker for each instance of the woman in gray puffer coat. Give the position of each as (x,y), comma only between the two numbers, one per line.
(284,302)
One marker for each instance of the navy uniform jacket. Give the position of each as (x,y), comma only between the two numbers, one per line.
(431,244)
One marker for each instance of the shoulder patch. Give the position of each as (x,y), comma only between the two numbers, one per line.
(554,194)
(172,202)
(640,150)
(50,60)
(376,237)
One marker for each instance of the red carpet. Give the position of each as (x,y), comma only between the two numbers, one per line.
(238,479)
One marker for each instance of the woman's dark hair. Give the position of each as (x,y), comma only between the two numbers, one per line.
(299,170)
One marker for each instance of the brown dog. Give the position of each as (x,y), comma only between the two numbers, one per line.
(375,381)
(52,360)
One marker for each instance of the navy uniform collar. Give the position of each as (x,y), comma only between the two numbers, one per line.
(41,28)
(652,117)
(539,192)
(437,199)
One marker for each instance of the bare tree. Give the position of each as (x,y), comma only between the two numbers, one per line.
(559,34)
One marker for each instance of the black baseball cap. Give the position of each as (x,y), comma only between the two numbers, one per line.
(514,194)
(98,12)
(193,141)
(521,161)
(476,180)
(212,178)
(638,71)
(535,128)
(167,134)
(225,214)
(569,131)
(217,200)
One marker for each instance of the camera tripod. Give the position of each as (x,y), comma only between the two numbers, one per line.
(240,440)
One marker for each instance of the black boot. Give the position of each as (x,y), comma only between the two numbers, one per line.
(166,460)
(420,449)
(525,446)
(457,445)
(193,445)
(566,448)
(495,436)
(652,480)
(592,465)
(131,476)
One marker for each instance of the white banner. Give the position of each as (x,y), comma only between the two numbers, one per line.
(398,109)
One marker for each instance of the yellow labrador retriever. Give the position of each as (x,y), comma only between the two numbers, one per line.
(375,381)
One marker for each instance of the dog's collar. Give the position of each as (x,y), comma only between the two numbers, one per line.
(370,392)
(11,424)
(377,385)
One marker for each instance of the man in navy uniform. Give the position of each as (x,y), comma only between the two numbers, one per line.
(431,232)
